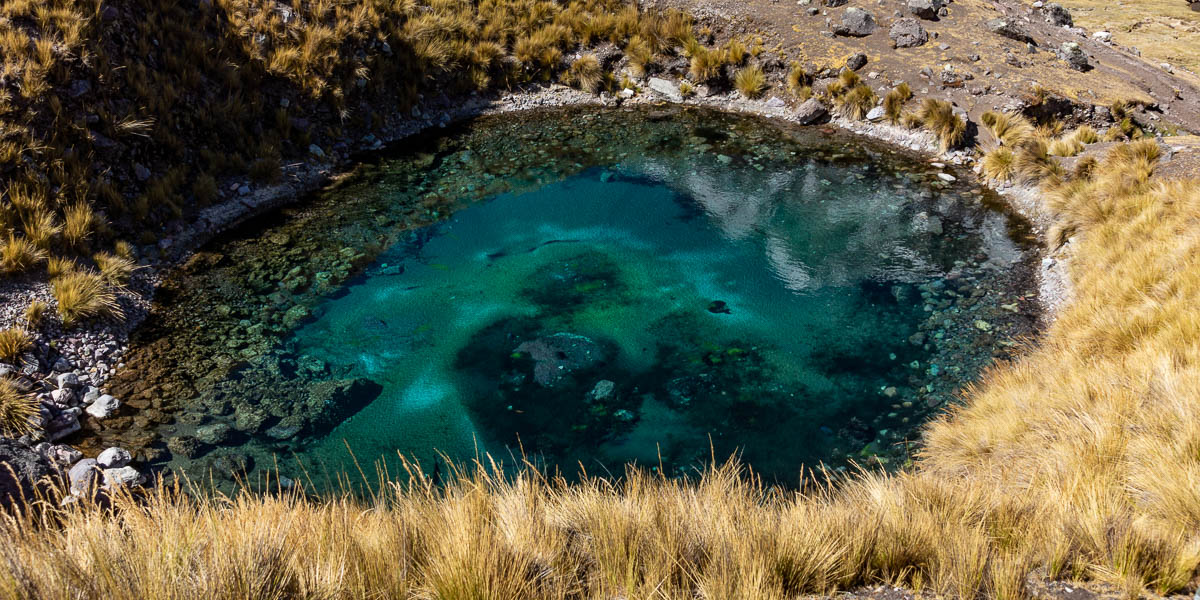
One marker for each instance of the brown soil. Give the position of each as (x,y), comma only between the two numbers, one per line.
(997,80)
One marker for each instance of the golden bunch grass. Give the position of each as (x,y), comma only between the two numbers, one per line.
(1011,130)
(999,164)
(18,254)
(798,80)
(114,270)
(78,222)
(893,102)
(750,81)
(586,74)
(14,341)
(687,89)
(83,295)
(17,413)
(35,313)
(938,117)
(856,102)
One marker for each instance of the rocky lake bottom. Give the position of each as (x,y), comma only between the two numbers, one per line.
(583,289)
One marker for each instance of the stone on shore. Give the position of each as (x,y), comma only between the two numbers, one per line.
(811,111)
(103,407)
(114,458)
(666,89)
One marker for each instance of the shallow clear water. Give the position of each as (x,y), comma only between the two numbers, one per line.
(653,287)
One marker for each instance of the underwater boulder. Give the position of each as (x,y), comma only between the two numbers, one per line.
(331,402)
(556,357)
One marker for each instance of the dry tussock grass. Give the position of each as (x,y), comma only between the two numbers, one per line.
(1082,458)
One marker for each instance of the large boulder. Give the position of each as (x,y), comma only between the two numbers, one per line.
(1009,29)
(856,22)
(908,33)
(666,89)
(23,473)
(1058,15)
(1074,56)
(812,111)
(557,357)
(331,402)
(925,9)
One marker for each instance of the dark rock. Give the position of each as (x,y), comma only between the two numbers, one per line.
(331,402)
(1058,15)
(287,429)
(834,3)
(558,356)
(856,62)
(214,434)
(856,22)
(185,446)
(719,307)
(233,465)
(23,472)
(908,33)
(1074,56)
(925,9)
(811,111)
(1009,29)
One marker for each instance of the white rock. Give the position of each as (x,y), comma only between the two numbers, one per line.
(103,407)
(124,476)
(114,458)
(1102,36)
(875,114)
(627,93)
(68,381)
(666,89)
(947,177)
(90,394)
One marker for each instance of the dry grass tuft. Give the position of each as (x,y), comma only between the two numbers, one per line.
(938,117)
(893,102)
(750,81)
(18,412)
(999,164)
(84,295)
(14,341)
(586,74)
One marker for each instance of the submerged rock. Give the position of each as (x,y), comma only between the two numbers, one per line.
(560,355)
(331,402)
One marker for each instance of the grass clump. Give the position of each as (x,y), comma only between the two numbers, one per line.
(999,164)
(750,81)
(938,117)
(894,100)
(586,74)
(14,341)
(18,255)
(83,295)
(35,313)
(18,411)
(798,81)
(1012,130)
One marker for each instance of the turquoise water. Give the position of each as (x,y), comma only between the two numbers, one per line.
(808,331)
(703,286)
